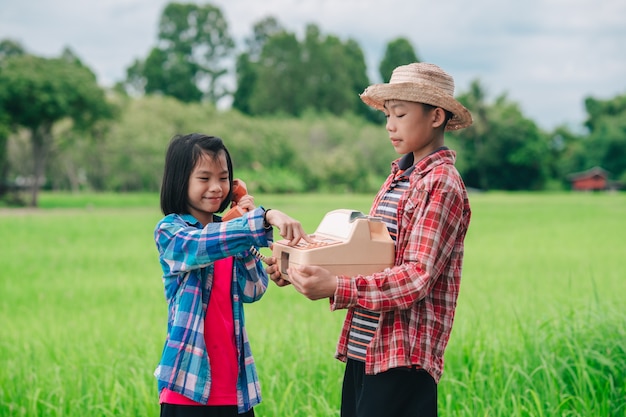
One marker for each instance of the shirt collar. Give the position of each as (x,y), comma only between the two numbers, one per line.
(405,165)
(190,220)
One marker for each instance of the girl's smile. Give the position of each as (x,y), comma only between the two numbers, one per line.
(209,185)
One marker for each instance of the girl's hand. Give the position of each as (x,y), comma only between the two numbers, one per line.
(290,229)
(246,202)
(273,272)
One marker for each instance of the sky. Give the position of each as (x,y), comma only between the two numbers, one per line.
(545,55)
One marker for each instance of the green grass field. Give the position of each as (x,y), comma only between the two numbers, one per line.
(540,327)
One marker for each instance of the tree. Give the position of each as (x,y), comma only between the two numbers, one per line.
(321,73)
(326,83)
(566,155)
(8,48)
(280,75)
(476,100)
(4,135)
(606,144)
(171,75)
(503,149)
(354,65)
(247,62)
(262,30)
(246,80)
(190,58)
(39,92)
(398,52)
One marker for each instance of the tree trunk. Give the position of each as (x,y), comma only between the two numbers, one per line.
(41,138)
(72,174)
(482,129)
(4,168)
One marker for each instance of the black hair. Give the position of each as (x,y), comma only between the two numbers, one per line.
(180,159)
(448,113)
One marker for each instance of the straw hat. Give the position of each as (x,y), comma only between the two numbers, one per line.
(422,83)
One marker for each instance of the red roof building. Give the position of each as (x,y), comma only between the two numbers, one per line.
(593,179)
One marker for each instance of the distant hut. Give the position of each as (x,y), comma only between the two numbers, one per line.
(594,179)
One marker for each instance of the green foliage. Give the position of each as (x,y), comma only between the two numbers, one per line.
(289,86)
(277,154)
(9,47)
(282,75)
(170,74)
(4,152)
(539,329)
(502,149)
(39,92)
(246,79)
(247,61)
(279,78)
(398,52)
(598,109)
(188,62)
(606,144)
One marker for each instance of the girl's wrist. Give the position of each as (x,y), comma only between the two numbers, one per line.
(266,224)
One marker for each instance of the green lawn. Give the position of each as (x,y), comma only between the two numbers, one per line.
(540,327)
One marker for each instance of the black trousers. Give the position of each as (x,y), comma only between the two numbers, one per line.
(173,410)
(399,392)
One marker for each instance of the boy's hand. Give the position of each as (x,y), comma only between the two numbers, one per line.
(314,282)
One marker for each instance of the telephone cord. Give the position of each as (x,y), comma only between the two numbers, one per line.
(258,254)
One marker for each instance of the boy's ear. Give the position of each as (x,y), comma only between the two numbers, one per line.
(439,117)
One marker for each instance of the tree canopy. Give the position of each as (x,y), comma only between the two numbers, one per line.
(398,52)
(39,92)
(189,61)
(281,74)
(299,123)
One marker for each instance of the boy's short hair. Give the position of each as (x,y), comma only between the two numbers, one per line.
(422,83)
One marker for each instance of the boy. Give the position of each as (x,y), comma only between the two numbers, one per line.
(399,320)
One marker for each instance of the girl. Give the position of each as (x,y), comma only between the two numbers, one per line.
(209,270)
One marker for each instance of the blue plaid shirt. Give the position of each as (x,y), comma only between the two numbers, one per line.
(187,252)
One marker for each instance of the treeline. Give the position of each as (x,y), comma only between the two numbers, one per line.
(296,123)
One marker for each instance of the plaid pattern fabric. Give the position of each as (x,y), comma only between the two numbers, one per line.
(187,252)
(417,297)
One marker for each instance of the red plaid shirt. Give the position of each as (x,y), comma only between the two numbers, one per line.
(417,297)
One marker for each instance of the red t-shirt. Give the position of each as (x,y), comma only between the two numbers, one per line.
(219,337)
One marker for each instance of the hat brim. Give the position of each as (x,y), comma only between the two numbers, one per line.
(376,95)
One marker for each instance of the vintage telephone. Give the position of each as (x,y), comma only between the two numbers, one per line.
(239,190)
(346,242)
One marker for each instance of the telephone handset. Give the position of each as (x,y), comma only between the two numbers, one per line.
(239,190)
